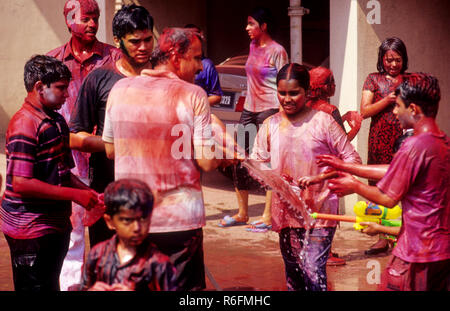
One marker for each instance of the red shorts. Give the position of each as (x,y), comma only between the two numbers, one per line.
(401,275)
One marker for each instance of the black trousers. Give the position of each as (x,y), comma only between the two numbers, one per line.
(185,249)
(36,263)
(242,179)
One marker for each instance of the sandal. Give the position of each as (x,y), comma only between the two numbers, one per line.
(258,226)
(229,221)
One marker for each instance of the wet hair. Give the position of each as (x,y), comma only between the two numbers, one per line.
(321,79)
(87,7)
(173,40)
(395,44)
(421,89)
(46,69)
(131,18)
(263,15)
(131,194)
(295,71)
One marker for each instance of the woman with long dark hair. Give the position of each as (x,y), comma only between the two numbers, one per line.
(377,103)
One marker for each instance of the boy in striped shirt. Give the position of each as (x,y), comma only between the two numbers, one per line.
(36,207)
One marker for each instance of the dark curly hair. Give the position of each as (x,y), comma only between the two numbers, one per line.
(423,90)
(130,194)
(131,18)
(46,69)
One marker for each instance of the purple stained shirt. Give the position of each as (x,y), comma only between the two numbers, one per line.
(262,66)
(419,177)
(208,78)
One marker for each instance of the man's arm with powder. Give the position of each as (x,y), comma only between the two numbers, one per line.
(346,184)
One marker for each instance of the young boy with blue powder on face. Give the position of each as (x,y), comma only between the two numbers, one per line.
(129,260)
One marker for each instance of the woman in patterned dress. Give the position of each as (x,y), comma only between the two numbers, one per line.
(377,103)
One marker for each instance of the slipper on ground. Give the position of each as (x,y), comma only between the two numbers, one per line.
(258,224)
(229,221)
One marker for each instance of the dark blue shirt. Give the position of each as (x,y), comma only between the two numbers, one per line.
(208,78)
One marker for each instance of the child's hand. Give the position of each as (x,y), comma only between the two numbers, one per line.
(306,181)
(287,178)
(372,228)
(354,120)
(119,287)
(391,97)
(100,286)
(87,198)
(329,160)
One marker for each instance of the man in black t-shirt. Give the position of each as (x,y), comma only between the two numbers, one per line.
(133,31)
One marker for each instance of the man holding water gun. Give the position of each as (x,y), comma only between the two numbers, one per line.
(418,176)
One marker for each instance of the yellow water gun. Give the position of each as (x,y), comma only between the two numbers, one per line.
(367,212)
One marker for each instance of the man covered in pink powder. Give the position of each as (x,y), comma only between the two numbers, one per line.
(418,176)
(81,54)
(146,119)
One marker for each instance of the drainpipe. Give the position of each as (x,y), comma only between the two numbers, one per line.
(296,11)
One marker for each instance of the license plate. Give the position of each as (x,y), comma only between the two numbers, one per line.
(227,100)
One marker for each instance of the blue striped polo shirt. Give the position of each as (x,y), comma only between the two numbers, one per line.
(37,146)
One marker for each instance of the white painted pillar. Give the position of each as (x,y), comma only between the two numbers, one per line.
(101,33)
(295,12)
(344,64)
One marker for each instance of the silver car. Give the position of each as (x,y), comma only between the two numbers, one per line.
(233,81)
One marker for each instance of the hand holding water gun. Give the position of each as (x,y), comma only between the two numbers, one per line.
(372,228)
(367,212)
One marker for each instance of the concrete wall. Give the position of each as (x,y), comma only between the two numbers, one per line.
(32,27)
(344,64)
(26,30)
